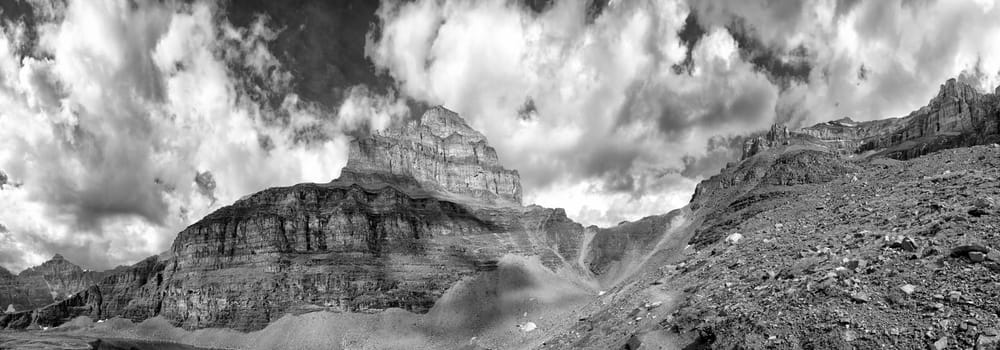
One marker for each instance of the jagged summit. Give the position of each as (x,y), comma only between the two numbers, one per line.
(443,123)
(443,154)
(778,135)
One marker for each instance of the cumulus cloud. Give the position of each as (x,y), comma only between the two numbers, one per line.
(125,121)
(614,114)
(868,59)
(609,121)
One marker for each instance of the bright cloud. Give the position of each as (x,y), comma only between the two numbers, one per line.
(121,105)
(609,115)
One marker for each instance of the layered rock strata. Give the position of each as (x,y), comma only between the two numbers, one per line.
(958,116)
(418,208)
(443,154)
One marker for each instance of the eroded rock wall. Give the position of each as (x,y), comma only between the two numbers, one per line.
(443,154)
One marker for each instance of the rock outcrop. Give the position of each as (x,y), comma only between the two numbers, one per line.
(443,154)
(958,116)
(778,135)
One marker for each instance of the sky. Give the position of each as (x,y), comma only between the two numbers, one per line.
(126,121)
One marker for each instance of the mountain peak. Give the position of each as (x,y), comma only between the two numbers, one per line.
(443,154)
(955,89)
(443,123)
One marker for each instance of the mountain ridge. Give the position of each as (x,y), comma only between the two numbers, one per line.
(410,227)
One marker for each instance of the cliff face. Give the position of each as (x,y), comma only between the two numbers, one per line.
(443,154)
(417,209)
(958,116)
(778,135)
(52,281)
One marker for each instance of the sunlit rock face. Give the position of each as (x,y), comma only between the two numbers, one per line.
(443,154)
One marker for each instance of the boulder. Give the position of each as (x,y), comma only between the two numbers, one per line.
(964,250)
(908,289)
(734,238)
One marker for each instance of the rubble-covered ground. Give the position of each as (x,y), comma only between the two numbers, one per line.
(894,254)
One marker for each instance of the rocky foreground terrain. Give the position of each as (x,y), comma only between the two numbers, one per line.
(846,234)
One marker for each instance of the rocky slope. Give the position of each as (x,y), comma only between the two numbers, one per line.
(803,244)
(53,280)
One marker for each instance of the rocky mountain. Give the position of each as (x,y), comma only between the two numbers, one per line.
(958,116)
(443,154)
(52,281)
(841,235)
(418,208)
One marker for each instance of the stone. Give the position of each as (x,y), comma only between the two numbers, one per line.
(978,212)
(984,203)
(993,266)
(860,297)
(977,256)
(908,288)
(954,296)
(734,238)
(850,335)
(964,250)
(986,342)
(855,264)
(908,244)
(940,344)
(527,326)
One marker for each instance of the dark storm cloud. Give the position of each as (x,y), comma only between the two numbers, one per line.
(321,43)
(783,67)
(206,184)
(689,35)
